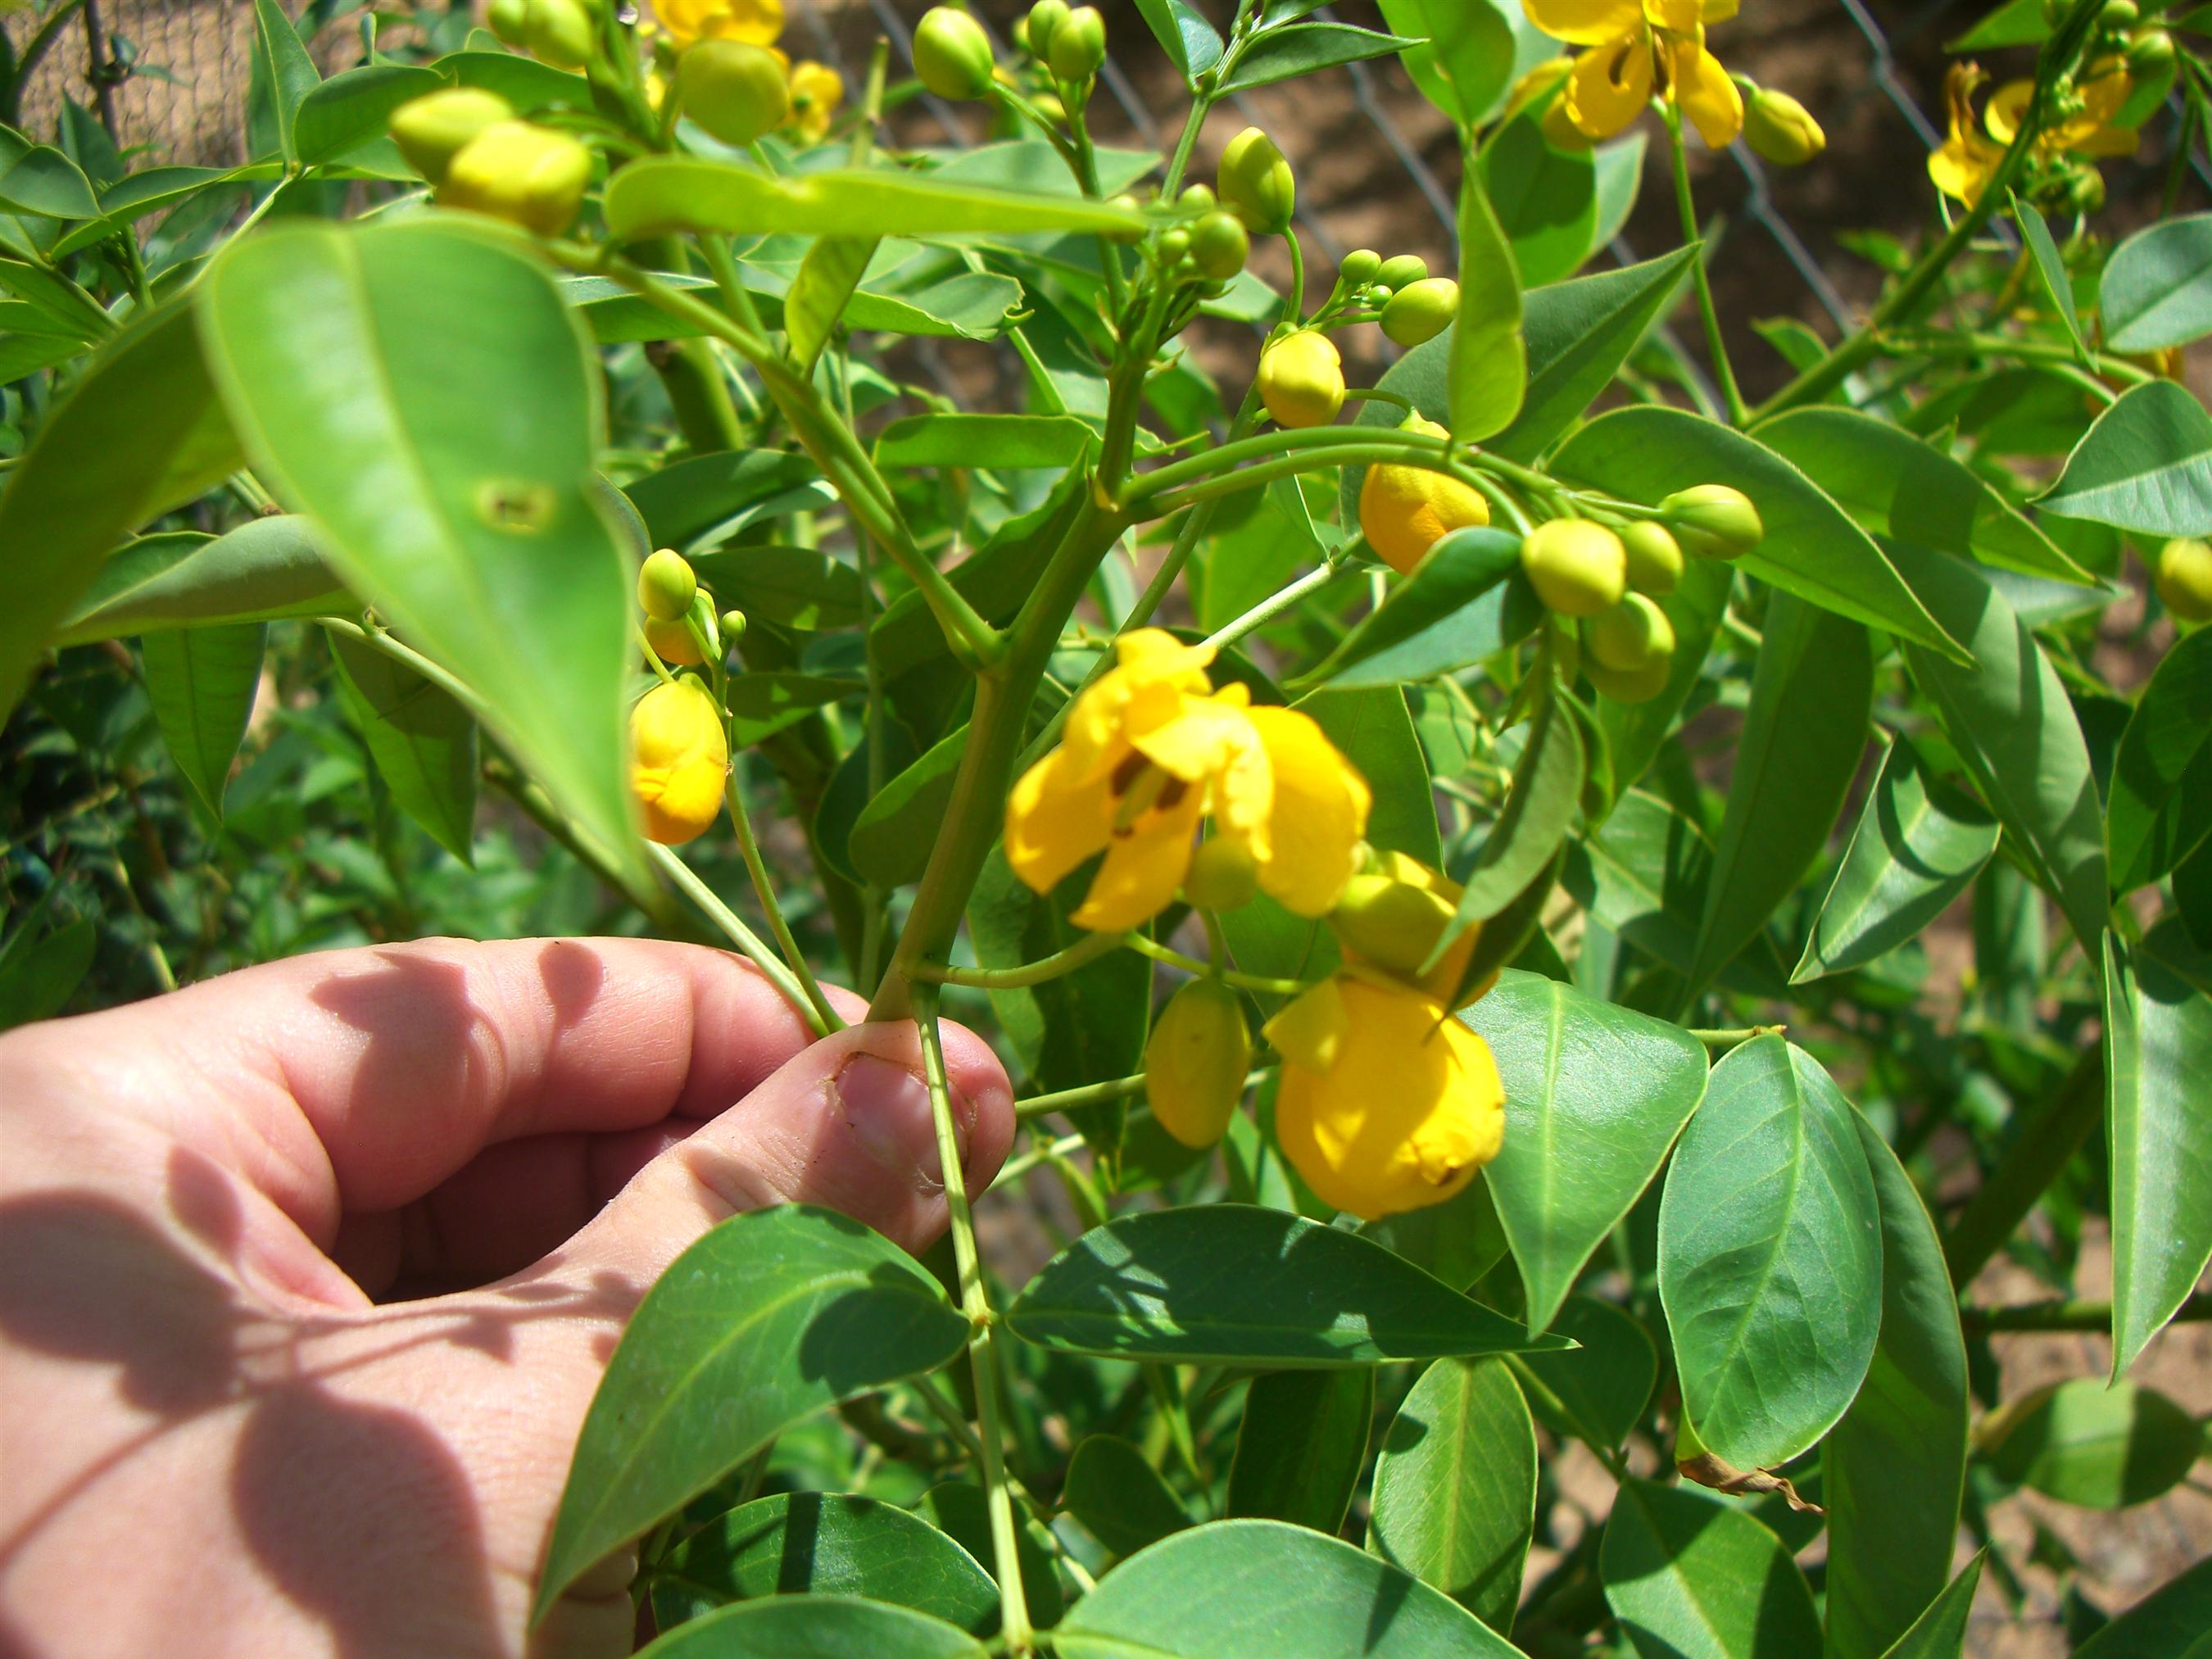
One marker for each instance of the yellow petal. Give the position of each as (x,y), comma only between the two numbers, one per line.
(1682,17)
(1716,11)
(1318,816)
(1706,94)
(1962,167)
(1144,864)
(1585,22)
(1610,86)
(679,759)
(1310,1032)
(1203,736)
(1054,820)
(2006,105)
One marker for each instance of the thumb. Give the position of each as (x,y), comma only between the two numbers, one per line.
(845,1123)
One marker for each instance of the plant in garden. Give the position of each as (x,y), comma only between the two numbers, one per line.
(1445,784)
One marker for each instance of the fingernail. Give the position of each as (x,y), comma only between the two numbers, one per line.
(887,1109)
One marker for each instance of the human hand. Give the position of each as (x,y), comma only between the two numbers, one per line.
(217,1442)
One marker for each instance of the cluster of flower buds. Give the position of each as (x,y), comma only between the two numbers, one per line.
(562,32)
(476,153)
(1412,306)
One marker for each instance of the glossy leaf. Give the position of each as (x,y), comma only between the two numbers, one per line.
(1687,1574)
(1119,1496)
(1191,43)
(1546,198)
(1457,1241)
(2095,1447)
(1488,358)
(2159,809)
(2158,1052)
(349,110)
(1231,1284)
(1642,876)
(1594,1095)
(1770,1256)
(2145,465)
(2050,269)
(40,179)
(524,83)
(985,440)
(1917,847)
(824,1544)
(794,587)
(761,705)
(1811,548)
(815,1627)
(1811,697)
(667,193)
(1540,808)
(1241,1588)
(1302,1445)
(1596,1392)
(1894,1470)
(1465,61)
(2171,1624)
(959,1510)
(1940,1632)
(2016,734)
(2156,291)
(202,681)
(1304,48)
(351,361)
(1374,730)
(2015,23)
(265,569)
(1579,334)
(1455,1500)
(772,1315)
(282,75)
(424,742)
(708,496)
(1423,628)
(827,278)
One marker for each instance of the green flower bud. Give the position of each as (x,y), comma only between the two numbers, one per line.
(732,626)
(1421,311)
(1302,379)
(430,130)
(739,92)
(1358,269)
(525,174)
(1196,1060)
(1630,636)
(1578,567)
(2150,54)
(1128,203)
(510,20)
(1256,183)
(1196,199)
(1079,46)
(2119,15)
(1222,876)
(1392,923)
(1636,685)
(1045,19)
(1219,246)
(1402,270)
(2184,579)
(1654,558)
(560,33)
(1174,242)
(1713,520)
(665,585)
(1779,128)
(952,54)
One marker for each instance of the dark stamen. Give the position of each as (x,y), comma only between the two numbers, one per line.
(1127,774)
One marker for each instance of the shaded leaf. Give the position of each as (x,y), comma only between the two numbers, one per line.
(202,681)
(424,742)
(815,1627)
(1119,1496)
(1688,1574)
(2100,1447)
(2159,804)
(2156,291)
(2145,465)
(265,569)
(1300,1446)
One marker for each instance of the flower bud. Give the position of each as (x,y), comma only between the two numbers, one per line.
(672,643)
(1223,875)
(560,33)
(1256,183)
(510,20)
(1044,20)
(1392,916)
(1654,558)
(1713,520)
(1402,270)
(1174,242)
(1636,685)
(679,759)
(2184,579)
(1779,128)
(2119,15)
(665,585)
(1405,510)
(525,174)
(1421,311)
(1358,269)
(1630,636)
(1578,568)
(1197,200)
(952,54)
(430,130)
(737,92)
(733,625)
(1302,379)
(1079,46)
(1196,1060)
(1219,246)
(2150,54)
(1127,203)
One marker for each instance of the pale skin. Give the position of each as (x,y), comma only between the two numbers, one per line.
(307,1274)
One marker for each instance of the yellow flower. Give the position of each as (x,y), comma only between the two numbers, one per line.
(1963,164)
(1404,510)
(754,21)
(1635,47)
(1386,1102)
(2103,89)
(1151,749)
(815,91)
(679,758)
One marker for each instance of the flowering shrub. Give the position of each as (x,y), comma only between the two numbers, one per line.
(1450,876)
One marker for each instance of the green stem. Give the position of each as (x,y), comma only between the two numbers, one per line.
(1687,206)
(1725,1040)
(826,1018)
(1272,606)
(1174,958)
(2002,346)
(734,928)
(1076,1099)
(1295,301)
(1267,446)
(2071,1316)
(1084,952)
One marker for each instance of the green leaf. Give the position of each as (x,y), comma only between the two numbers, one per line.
(40,971)
(350,110)
(2015,23)
(2145,465)
(1190,42)
(1770,1256)
(1455,1498)
(959,1510)
(1893,1470)
(138,434)
(667,193)
(1374,730)
(819,1544)
(1420,630)
(524,83)
(1917,844)
(1580,332)
(1594,1095)
(1230,1284)
(794,587)
(1119,1496)
(265,570)
(820,291)
(1895,485)
(2170,1624)
(424,742)
(1488,357)
(1300,1446)
(1304,48)
(202,681)
(282,76)
(1540,808)
(2161,805)
(1811,696)
(772,1315)
(2158,1049)
(2051,267)
(1236,1588)
(1686,1574)
(893,836)
(2157,287)
(1619,182)
(761,705)
(707,497)
(64,305)
(1940,1632)
(42,180)
(1465,60)
(2095,1447)
(1597,1392)
(988,442)
(1457,1241)
(1811,548)
(815,1627)
(1642,876)
(353,361)
(2016,734)
(1546,198)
